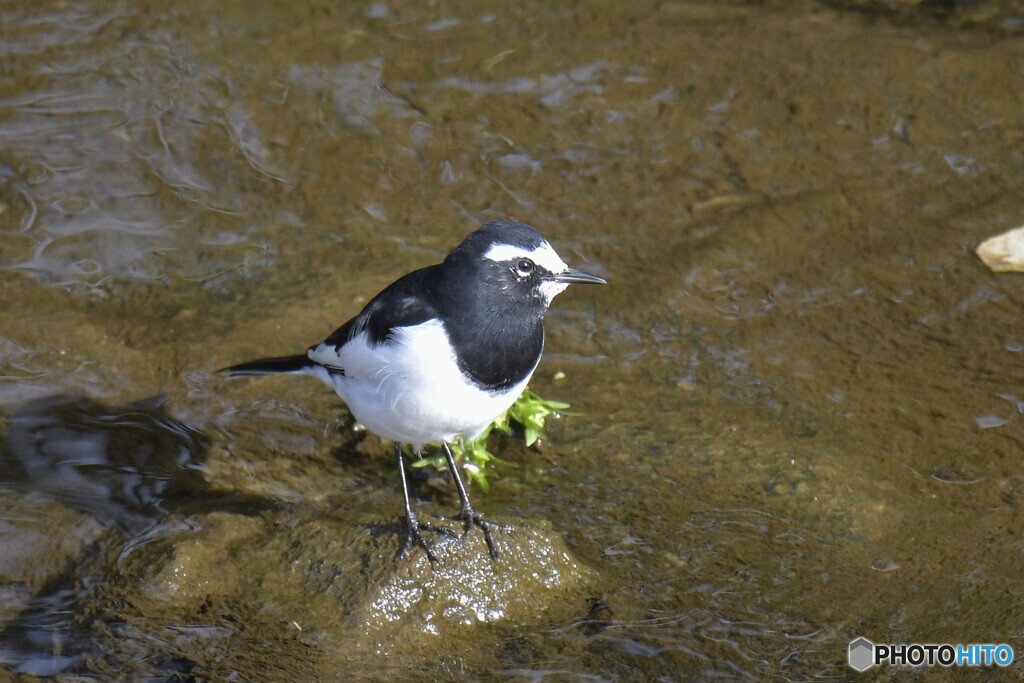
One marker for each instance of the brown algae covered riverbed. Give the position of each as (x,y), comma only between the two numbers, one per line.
(796,409)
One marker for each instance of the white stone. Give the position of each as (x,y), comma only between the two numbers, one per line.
(1004,252)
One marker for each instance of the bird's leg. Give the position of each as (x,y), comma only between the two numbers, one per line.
(470,516)
(412,524)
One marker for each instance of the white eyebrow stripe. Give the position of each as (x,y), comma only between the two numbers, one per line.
(544,256)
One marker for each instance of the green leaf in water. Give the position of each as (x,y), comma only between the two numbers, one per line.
(529,411)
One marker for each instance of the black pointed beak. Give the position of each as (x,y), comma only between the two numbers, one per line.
(577,277)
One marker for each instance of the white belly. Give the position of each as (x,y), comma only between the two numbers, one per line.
(410,389)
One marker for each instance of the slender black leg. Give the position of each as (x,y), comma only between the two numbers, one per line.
(470,516)
(412,524)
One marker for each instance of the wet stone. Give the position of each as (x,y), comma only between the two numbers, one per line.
(533,574)
(185,562)
(338,585)
(39,539)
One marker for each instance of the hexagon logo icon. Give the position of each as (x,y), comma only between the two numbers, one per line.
(862,654)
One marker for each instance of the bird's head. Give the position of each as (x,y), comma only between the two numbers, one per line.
(513,261)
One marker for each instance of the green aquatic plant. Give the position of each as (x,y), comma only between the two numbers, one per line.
(529,412)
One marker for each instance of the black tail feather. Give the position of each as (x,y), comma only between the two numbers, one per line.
(270,366)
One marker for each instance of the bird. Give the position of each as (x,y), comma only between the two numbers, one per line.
(442,351)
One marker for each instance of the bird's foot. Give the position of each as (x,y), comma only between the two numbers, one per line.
(473,518)
(413,527)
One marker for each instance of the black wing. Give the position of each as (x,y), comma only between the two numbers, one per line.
(403,303)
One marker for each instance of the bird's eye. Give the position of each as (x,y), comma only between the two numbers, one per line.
(525,266)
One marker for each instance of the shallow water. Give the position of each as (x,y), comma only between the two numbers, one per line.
(799,399)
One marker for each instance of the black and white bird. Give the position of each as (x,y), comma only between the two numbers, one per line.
(444,350)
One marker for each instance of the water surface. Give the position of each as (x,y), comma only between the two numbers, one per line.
(799,398)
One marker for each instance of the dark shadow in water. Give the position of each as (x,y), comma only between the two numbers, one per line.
(116,464)
(127,467)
